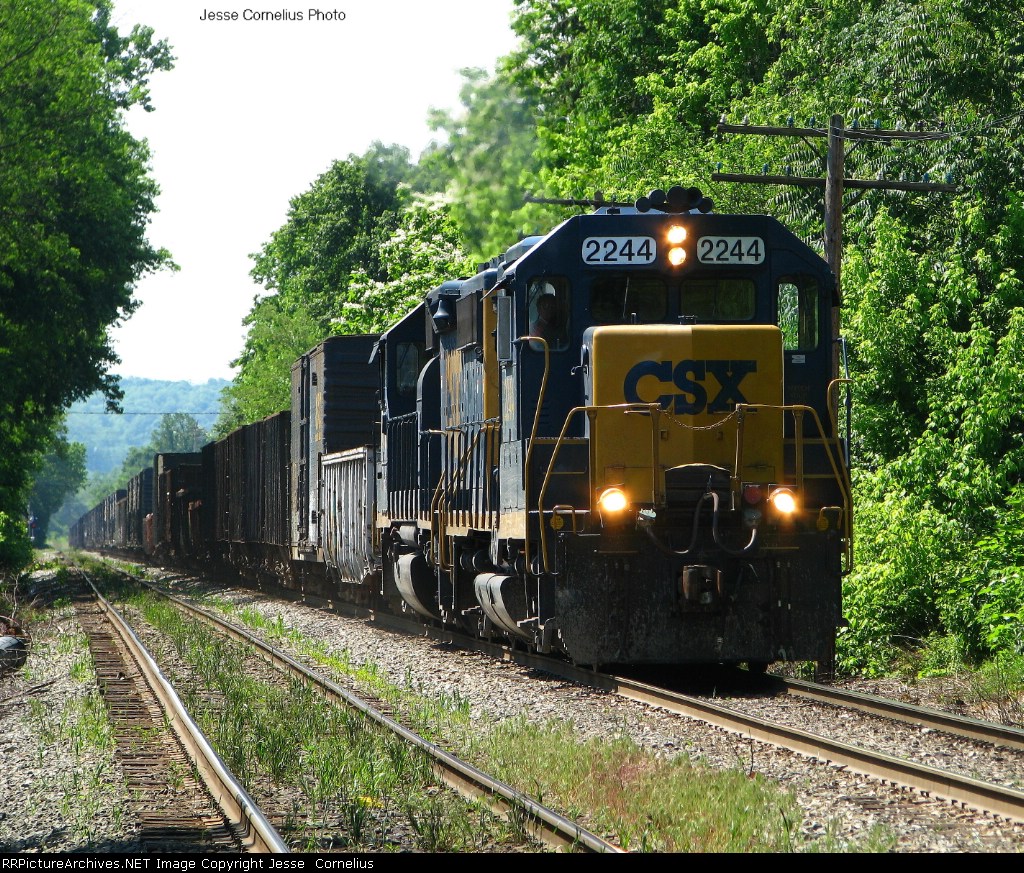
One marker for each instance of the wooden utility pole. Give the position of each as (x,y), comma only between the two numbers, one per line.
(834,181)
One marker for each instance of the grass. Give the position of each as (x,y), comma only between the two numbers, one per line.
(642,801)
(994,687)
(1000,685)
(652,803)
(81,730)
(355,777)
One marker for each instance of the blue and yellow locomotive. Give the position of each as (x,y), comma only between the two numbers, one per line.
(659,478)
(618,441)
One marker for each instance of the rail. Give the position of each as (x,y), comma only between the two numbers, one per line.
(258,835)
(546,824)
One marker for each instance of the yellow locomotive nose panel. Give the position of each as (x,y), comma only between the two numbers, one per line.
(691,378)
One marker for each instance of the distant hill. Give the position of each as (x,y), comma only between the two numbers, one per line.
(108,438)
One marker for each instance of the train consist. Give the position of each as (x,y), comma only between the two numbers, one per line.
(617,441)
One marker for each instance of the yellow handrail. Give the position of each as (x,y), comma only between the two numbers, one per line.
(797,410)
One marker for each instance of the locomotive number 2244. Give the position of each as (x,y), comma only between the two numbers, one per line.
(619,250)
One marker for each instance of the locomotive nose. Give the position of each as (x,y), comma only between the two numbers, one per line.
(667,395)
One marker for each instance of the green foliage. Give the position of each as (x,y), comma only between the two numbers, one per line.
(359,249)
(940,388)
(997,575)
(424,251)
(275,339)
(62,473)
(893,599)
(15,548)
(332,229)
(492,161)
(579,64)
(74,204)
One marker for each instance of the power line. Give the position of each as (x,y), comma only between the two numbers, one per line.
(834,182)
(104,412)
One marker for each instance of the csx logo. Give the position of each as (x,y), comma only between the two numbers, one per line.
(689,378)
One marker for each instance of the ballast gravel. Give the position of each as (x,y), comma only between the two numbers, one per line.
(836,803)
(66,795)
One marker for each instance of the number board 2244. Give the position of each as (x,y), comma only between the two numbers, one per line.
(730,250)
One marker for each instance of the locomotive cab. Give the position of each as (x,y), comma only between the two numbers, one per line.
(632,456)
(671,475)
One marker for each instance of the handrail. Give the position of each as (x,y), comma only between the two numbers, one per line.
(797,410)
(527,462)
(436,511)
(843,481)
(638,407)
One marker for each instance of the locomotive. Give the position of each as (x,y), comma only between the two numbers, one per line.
(618,442)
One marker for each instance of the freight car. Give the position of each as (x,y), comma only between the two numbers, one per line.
(618,442)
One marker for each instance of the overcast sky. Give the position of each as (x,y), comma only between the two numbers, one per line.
(253,112)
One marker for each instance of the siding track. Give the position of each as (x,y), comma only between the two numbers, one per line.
(161,750)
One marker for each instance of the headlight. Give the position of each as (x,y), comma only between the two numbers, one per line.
(783,500)
(676,234)
(612,500)
(675,237)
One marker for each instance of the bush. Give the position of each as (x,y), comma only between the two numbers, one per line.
(15,547)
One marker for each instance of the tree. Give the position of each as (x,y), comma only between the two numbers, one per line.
(491,159)
(588,69)
(332,229)
(176,432)
(15,546)
(424,251)
(275,339)
(940,443)
(75,199)
(62,473)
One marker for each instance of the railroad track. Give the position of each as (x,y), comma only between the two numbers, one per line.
(161,765)
(542,823)
(965,791)
(986,797)
(962,791)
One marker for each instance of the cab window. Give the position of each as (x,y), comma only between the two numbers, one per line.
(797,312)
(718,299)
(625,299)
(547,303)
(408,358)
